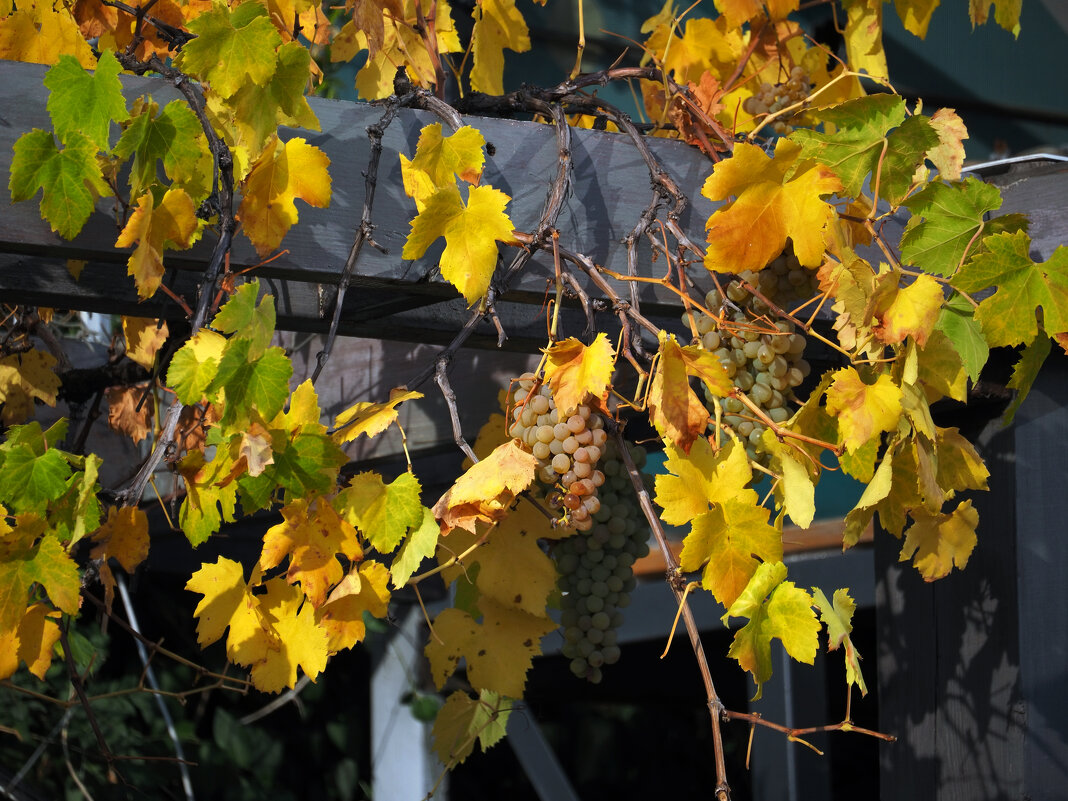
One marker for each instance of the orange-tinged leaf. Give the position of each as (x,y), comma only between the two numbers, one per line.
(471,233)
(863,410)
(705,365)
(123,537)
(282,174)
(948,156)
(937,543)
(124,416)
(912,312)
(297,641)
(574,371)
(31,642)
(362,590)
(674,408)
(40,33)
(311,536)
(152,229)
(498,25)
(487,489)
(499,650)
(777,197)
(370,418)
(144,338)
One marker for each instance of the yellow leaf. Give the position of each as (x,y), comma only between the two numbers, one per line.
(362,590)
(171,224)
(916,15)
(863,410)
(960,467)
(837,616)
(487,489)
(574,371)
(864,37)
(777,198)
(228,602)
(705,365)
(254,448)
(370,418)
(674,408)
(311,536)
(700,478)
(24,377)
(913,311)
(798,491)
(498,24)
(938,542)
(144,338)
(40,32)
(297,641)
(499,650)
(948,156)
(31,642)
(75,267)
(123,537)
(281,174)
(464,720)
(471,234)
(439,160)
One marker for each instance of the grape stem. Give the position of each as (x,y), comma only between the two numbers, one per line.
(781,432)
(715,705)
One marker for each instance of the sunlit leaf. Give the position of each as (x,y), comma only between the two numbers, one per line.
(574,371)
(498,25)
(937,543)
(863,410)
(85,103)
(153,228)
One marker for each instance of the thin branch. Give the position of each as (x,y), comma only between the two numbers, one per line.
(442,379)
(79,689)
(287,697)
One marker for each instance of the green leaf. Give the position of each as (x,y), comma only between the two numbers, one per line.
(838,618)
(70,178)
(464,720)
(776,610)
(240,315)
(173,137)
(420,545)
(308,464)
(906,150)
(957,321)
(261,383)
(231,49)
(383,513)
(30,480)
(946,218)
(1008,316)
(53,568)
(1025,372)
(853,150)
(85,103)
(195,366)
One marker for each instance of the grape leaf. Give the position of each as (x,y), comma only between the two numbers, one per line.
(23,378)
(296,640)
(363,589)
(383,513)
(281,174)
(195,365)
(916,15)
(1006,13)
(228,602)
(796,487)
(175,137)
(574,371)
(1025,371)
(54,570)
(940,369)
(960,467)
(41,33)
(154,228)
(464,720)
(70,179)
(700,478)
(439,158)
(938,542)
(863,410)
(909,311)
(777,197)
(261,383)
(1008,316)
(864,37)
(130,411)
(144,338)
(471,234)
(776,609)
(31,480)
(370,418)
(487,489)
(499,650)
(84,103)
(837,616)
(948,155)
(946,219)
(242,316)
(124,538)
(420,544)
(231,49)
(674,408)
(498,24)
(31,642)
(311,536)
(957,321)
(207,503)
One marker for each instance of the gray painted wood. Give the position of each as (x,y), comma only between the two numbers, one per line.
(610,189)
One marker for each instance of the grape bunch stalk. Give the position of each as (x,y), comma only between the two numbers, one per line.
(567,449)
(763,358)
(771,98)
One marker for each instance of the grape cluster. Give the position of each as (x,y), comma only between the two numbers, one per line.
(596,571)
(771,98)
(568,450)
(763,359)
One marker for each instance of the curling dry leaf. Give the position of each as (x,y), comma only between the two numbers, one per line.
(130,411)
(144,338)
(487,489)
(124,538)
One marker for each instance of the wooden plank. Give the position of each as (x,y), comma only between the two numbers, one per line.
(611,187)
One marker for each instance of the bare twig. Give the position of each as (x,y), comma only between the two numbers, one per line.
(442,379)
(79,689)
